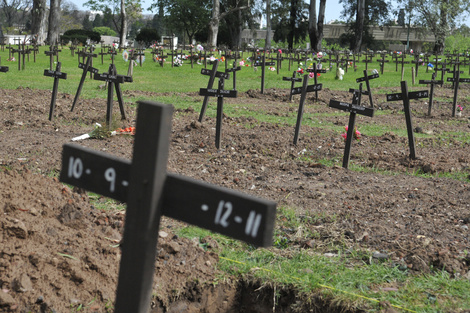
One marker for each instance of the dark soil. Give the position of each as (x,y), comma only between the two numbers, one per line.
(59,253)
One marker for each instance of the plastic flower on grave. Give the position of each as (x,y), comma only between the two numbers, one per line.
(356,134)
(319,55)
(125,55)
(199,48)
(212,59)
(272,69)
(241,63)
(459,107)
(280,51)
(222,59)
(300,70)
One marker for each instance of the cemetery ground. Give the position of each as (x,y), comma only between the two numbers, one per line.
(388,234)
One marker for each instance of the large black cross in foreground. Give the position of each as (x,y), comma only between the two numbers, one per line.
(406,97)
(150,193)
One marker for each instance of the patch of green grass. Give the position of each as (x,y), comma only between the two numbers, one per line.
(104,203)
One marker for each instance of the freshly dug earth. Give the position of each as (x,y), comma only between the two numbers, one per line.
(60,254)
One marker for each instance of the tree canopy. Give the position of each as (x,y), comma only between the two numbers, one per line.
(439,16)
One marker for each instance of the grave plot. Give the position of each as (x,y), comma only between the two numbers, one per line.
(262,156)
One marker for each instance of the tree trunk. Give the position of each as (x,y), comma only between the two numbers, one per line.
(123,34)
(315,29)
(290,35)
(359,25)
(441,32)
(268,25)
(54,18)
(214,25)
(38,27)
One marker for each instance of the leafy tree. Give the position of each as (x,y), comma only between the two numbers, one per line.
(119,12)
(86,23)
(219,13)
(13,10)
(104,31)
(147,36)
(81,35)
(376,12)
(98,21)
(440,17)
(401,17)
(236,19)
(184,15)
(290,20)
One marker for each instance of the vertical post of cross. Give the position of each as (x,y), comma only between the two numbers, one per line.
(220,115)
(456,90)
(409,123)
(209,86)
(147,179)
(303,95)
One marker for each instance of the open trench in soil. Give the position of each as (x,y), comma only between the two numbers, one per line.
(60,253)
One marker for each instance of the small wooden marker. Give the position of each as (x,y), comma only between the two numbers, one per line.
(315,72)
(406,97)
(86,68)
(457,80)
(234,70)
(150,193)
(354,108)
(212,75)
(367,79)
(57,74)
(263,65)
(303,95)
(220,93)
(431,82)
(114,80)
(293,80)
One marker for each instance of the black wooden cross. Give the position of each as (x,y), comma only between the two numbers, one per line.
(151,192)
(315,72)
(20,52)
(346,59)
(443,69)
(86,68)
(403,62)
(368,59)
(417,62)
(354,108)
(432,82)
(293,80)
(212,75)
(456,82)
(112,51)
(57,74)
(263,65)
(406,96)
(382,62)
(103,53)
(53,51)
(234,70)
(303,95)
(367,78)
(139,54)
(113,80)
(220,93)
(278,60)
